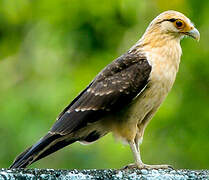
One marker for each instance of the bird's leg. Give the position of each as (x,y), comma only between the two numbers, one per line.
(138,162)
(138,141)
(136,153)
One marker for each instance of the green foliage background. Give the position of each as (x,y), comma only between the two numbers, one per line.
(51,49)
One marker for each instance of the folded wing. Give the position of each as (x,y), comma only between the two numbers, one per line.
(110,91)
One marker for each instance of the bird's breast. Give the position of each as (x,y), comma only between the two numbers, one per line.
(165,64)
(161,80)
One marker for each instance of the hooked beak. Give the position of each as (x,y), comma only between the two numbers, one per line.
(194,33)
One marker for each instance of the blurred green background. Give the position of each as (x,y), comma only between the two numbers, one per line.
(51,49)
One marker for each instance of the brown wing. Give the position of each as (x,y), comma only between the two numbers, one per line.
(110,91)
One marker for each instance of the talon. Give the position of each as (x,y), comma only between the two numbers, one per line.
(171,167)
(130,166)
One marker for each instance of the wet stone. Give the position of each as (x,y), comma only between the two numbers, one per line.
(154,171)
(144,171)
(93,174)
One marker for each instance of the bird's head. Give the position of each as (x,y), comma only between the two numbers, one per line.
(172,24)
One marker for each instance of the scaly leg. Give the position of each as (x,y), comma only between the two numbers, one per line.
(138,141)
(138,162)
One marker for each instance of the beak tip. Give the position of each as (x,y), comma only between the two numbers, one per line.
(194,33)
(198,39)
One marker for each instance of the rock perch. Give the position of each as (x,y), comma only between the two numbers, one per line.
(45,174)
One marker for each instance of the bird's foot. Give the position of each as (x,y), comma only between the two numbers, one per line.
(146,166)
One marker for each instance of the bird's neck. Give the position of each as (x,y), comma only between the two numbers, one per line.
(164,48)
(163,53)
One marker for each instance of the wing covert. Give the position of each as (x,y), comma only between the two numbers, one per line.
(111,90)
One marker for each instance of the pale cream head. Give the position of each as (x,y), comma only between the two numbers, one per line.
(174,24)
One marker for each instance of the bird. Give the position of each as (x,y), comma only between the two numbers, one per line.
(124,96)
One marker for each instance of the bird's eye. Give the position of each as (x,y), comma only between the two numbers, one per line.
(179,24)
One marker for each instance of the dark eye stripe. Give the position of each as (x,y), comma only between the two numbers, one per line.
(171,20)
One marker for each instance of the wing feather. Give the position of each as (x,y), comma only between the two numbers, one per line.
(111,90)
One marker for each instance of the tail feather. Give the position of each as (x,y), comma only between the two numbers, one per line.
(21,155)
(54,148)
(47,145)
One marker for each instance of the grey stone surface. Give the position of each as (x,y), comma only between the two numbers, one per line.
(144,174)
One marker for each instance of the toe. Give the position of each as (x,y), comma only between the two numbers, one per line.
(164,166)
(146,166)
(130,166)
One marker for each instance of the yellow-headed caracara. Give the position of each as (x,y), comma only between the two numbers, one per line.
(124,96)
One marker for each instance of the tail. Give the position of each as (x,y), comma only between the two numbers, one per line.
(47,145)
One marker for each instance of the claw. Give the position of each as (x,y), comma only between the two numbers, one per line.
(130,166)
(170,167)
